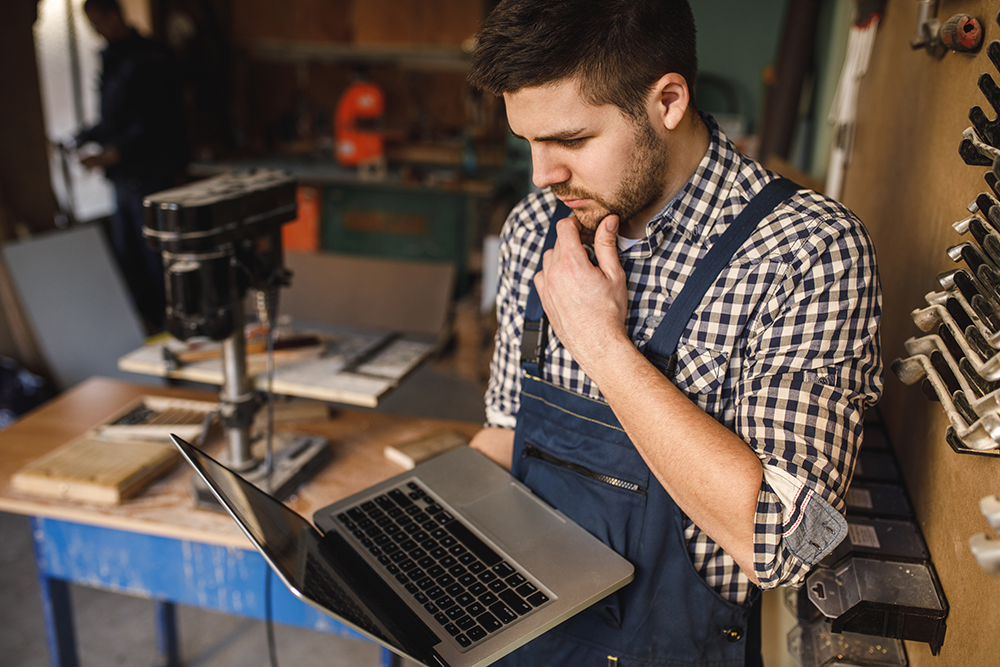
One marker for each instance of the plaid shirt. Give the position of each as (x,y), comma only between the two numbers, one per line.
(784,349)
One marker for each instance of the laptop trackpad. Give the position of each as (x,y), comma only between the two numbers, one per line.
(513,517)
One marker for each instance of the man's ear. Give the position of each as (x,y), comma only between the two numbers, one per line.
(669,100)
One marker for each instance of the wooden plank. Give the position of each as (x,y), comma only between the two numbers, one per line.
(357,369)
(154,418)
(369,293)
(409,454)
(91,470)
(908,184)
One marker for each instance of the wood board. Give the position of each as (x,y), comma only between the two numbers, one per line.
(409,454)
(355,369)
(91,470)
(369,293)
(154,418)
(908,184)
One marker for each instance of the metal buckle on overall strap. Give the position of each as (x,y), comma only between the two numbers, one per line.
(533,342)
(667,365)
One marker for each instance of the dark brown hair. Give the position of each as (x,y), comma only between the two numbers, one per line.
(616,48)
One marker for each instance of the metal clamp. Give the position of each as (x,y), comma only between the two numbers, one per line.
(976,423)
(971,343)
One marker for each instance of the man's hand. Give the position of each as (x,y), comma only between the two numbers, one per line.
(496,443)
(105,158)
(585,304)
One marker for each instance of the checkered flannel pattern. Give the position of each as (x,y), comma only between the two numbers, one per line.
(784,349)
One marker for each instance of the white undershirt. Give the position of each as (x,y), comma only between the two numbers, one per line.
(624,243)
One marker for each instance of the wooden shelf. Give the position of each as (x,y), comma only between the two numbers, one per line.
(411,57)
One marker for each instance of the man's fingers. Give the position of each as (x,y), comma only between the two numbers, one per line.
(539,281)
(606,246)
(568,232)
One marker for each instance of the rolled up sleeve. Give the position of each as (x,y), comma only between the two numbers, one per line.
(815,365)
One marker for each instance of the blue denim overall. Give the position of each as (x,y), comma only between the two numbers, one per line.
(572,452)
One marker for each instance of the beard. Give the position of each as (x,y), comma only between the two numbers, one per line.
(640,186)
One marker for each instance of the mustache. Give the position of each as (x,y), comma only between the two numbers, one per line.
(566,192)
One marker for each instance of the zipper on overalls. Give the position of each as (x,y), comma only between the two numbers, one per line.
(612,661)
(531,451)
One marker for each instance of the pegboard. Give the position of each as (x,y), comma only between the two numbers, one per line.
(908,184)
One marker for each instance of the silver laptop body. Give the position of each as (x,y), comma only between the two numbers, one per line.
(454,563)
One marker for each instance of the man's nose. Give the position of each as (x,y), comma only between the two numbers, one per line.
(546,168)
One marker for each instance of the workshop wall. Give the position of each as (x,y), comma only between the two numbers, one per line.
(296,59)
(26,200)
(908,183)
(737,42)
(25,195)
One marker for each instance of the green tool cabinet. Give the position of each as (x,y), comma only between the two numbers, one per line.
(379,220)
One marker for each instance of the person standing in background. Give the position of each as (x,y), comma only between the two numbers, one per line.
(143,144)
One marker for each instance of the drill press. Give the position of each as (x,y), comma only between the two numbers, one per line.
(220,237)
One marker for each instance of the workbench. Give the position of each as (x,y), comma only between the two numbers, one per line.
(158,545)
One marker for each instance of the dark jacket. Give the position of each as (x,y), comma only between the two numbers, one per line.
(142,110)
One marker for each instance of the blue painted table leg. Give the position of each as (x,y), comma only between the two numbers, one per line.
(56,610)
(389,659)
(171,572)
(167,651)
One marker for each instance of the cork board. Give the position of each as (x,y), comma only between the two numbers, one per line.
(908,184)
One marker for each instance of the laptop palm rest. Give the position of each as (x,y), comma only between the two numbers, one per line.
(508,511)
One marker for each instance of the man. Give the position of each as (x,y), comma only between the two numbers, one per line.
(721,468)
(143,144)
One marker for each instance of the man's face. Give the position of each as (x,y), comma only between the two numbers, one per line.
(596,159)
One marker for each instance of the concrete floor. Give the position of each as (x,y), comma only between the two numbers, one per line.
(116,630)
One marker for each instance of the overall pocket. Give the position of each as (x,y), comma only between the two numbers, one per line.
(610,504)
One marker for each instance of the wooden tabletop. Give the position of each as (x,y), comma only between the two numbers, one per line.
(166,507)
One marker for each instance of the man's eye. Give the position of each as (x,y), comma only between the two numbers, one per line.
(572,143)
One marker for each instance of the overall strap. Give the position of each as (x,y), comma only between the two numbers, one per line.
(533,339)
(662,347)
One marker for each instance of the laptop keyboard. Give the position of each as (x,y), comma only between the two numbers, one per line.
(330,593)
(469,589)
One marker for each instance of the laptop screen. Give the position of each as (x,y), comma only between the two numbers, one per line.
(322,568)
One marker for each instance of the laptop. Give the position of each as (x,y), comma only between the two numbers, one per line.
(451,564)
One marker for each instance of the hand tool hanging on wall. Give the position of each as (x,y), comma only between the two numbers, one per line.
(783,97)
(958,362)
(843,110)
(962,32)
(987,130)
